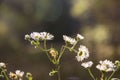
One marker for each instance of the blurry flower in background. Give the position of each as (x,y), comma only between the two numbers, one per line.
(2,65)
(13,76)
(80,36)
(80,7)
(27,37)
(17,75)
(106,66)
(83,53)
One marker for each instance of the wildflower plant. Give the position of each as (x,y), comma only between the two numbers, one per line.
(39,40)
(53,54)
(104,67)
(82,53)
(17,75)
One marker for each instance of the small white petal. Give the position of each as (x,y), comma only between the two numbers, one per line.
(80,36)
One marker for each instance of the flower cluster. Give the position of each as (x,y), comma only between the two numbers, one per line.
(82,53)
(103,66)
(18,75)
(106,66)
(39,36)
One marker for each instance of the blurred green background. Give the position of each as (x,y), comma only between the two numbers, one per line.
(97,20)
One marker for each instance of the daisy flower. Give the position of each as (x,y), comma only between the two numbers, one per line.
(69,39)
(35,36)
(106,66)
(2,65)
(46,36)
(19,73)
(13,76)
(87,64)
(83,53)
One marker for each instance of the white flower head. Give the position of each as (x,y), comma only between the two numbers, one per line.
(69,39)
(35,36)
(87,64)
(13,76)
(83,53)
(2,65)
(106,66)
(46,36)
(19,73)
(27,37)
(80,36)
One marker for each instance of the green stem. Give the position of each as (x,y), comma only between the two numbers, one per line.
(72,50)
(61,52)
(58,73)
(91,74)
(111,75)
(73,46)
(102,75)
(5,75)
(45,47)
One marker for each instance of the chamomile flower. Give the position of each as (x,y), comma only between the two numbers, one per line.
(2,65)
(19,73)
(13,76)
(27,37)
(35,36)
(80,36)
(69,39)
(106,66)
(83,53)
(46,36)
(87,64)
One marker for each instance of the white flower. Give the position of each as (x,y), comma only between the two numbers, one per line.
(19,73)
(46,36)
(13,76)
(80,36)
(35,36)
(2,65)
(69,39)
(27,37)
(83,53)
(106,66)
(87,64)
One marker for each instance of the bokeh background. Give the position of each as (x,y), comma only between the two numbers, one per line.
(97,20)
